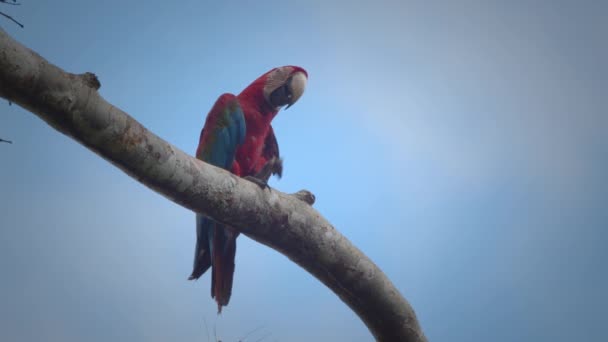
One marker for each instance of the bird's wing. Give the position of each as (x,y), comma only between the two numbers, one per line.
(270,163)
(271,147)
(222,134)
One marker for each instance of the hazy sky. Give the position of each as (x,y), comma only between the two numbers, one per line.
(463,146)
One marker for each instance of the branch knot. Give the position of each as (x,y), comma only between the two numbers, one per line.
(90,80)
(305,196)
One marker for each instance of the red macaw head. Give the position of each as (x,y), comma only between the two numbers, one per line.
(278,87)
(284,85)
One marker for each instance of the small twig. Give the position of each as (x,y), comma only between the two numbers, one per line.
(206,328)
(11,18)
(14,3)
(263,337)
(249,333)
(6,141)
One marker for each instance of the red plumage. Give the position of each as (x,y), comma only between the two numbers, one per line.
(260,103)
(250,156)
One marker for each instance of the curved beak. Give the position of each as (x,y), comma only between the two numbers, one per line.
(297,84)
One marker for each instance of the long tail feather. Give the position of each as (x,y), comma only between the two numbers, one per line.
(202,253)
(224,250)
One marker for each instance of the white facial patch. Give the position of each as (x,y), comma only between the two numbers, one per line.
(298,84)
(276,78)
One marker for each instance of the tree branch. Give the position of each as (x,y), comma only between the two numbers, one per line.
(6,141)
(71,104)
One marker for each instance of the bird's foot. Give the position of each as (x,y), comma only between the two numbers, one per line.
(272,167)
(259,182)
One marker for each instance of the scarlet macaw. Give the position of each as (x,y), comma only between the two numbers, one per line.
(238,137)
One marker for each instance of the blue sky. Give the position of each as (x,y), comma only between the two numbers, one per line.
(461,145)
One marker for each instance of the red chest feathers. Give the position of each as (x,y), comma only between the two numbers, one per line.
(258,115)
(249,158)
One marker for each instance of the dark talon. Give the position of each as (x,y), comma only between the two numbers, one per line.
(272,167)
(262,184)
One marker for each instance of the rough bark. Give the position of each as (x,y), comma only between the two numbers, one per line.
(71,104)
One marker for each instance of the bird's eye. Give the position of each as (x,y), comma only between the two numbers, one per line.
(281,96)
(287,91)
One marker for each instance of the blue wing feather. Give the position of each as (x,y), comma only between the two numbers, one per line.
(224,132)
